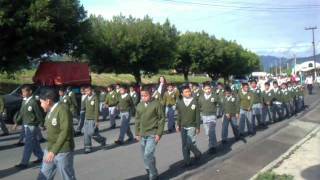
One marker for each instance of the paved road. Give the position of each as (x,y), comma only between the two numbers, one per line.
(125,162)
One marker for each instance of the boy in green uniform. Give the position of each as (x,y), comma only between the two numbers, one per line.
(277,111)
(91,122)
(231,115)
(60,146)
(102,108)
(220,93)
(196,91)
(208,110)
(170,98)
(135,98)
(267,96)
(66,99)
(149,125)
(112,100)
(246,102)
(31,117)
(285,99)
(257,104)
(125,105)
(2,115)
(74,102)
(188,123)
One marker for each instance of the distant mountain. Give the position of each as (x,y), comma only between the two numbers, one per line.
(271,61)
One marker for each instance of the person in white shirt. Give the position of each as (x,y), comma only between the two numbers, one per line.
(309,82)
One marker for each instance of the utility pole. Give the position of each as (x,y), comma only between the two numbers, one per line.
(295,64)
(314,50)
(280,66)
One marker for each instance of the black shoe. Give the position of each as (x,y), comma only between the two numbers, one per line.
(112,127)
(224,142)
(37,161)
(198,157)
(118,142)
(103,143)
(212,150)
(42,140)
(4,134)
(148,172)
(21,166)
(130,140)
(20,144)
(77,133)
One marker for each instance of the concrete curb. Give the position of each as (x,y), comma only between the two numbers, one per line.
(285,155)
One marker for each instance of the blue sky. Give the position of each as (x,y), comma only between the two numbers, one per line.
(265,27)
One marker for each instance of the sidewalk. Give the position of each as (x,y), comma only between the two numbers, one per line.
(304,162)
(301,161)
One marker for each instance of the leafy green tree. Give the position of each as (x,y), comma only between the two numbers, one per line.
(130,45)
(32,28)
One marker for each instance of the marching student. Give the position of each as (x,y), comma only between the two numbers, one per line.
(112,100)
(277,111)
(125,105)
(149,125)
(170,98)
(230,107)
(91,122)
(188,123)
(60,146)
(31,118)
(267,96)
(257,104)
(208,110)
(135,98)
(246,102)
(82,112)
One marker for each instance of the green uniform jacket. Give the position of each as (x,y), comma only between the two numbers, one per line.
(257,97)
(135,98)
(208,106)
(1,105)
(68,102)
(30,113)
(112,99)
(170,99)
(92,108)
(220,94)
(60,130)
(231,105)
(188,116)
(73,101)
(268,97)
(245,100)
(125,104)
(149,120)
(286,96)
(197,93)
(277,95)
(102,96)
(157,96)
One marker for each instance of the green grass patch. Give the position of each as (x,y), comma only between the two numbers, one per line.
(269,175)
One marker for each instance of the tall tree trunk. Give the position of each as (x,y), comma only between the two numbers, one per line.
(137,77)
(226,79)
(185,75)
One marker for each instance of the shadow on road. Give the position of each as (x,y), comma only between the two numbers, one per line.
(311,173)
(12,170)
(178,168)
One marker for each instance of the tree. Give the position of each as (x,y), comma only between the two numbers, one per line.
(130,45)
(30,29)
(191,49)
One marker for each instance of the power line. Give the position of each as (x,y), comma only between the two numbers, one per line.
(246,8)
